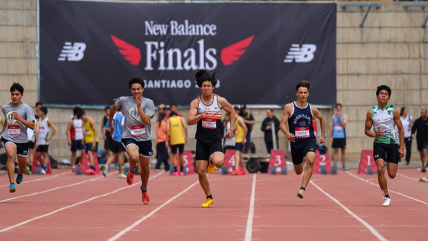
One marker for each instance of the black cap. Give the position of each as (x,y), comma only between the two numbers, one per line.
(243,106)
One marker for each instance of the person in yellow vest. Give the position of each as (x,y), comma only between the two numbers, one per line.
(91,139)
(241,131)
(175,129)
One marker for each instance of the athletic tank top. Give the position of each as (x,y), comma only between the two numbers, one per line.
(383,118)
(338,129)
(210,127)
(239,136)
(77,126)
(43,131)
(89,132)
(406,122)
(176,132)
(300,125)
(30,134)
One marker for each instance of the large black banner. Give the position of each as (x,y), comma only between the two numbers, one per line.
(89,51)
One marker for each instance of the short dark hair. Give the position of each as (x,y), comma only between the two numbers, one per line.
(304,84)
(107,108)
(202,75)
(136,80)
(173,105)
(172,113)
(402,110)
(76,109)
(383,87)
(18,87)
(80,113)
(237,108)
(38,103)
(271,110)
(118,108)
(338,104)
(44,110)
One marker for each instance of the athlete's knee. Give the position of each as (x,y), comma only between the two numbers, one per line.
(298,172)
(10,157)
(202,172)
(391,175)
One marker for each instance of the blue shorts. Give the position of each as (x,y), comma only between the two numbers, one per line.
(89,147)
(144,147)
(77,145)
(239,146)
(21,148)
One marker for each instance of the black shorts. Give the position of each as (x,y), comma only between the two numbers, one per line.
(31,145)
(298,153)
(144,147)
(339,143)
(109,141)
(180,148)
(21,148)
(248,138)
(76,145)
(117,147)
(387,152)
(422,144)
(205,149)
(42,148)
(89,147)
(229,148)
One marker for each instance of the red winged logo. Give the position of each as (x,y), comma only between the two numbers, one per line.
(131,53)
(233,52)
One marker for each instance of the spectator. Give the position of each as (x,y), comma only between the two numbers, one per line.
(421,127)
(229,143)
(161,149)
(38,106)
(105,131)
(241,131)
(176,128)
(75,136)
(338,135)
(407,122)
(249,122)
(173,108)
(161,108)
(267,124)
(44,137)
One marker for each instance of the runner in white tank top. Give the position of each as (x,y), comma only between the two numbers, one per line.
(44,137)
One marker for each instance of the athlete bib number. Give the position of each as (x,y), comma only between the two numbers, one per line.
(338,128)
(209,123)
(138,130)
(13,130)
(302,132)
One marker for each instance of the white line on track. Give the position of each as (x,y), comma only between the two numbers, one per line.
(39,179)
(389,190)
(249,229)
(121,233)
(411,178)
(368,226)
(55,188)
(70,206)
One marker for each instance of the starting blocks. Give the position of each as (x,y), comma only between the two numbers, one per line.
(277,163)
(367,164)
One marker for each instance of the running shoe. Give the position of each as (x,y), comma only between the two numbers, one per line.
(181,173)
(423,169)
(28,171)
(387,202)
(104,170)
(43,172)
(345,168)
(12,188)
(130,178)
(19,178)
(73,169)
(121,175)
(145,197)
(207,203)
(242,172)
(211,168)
(90,171)
(175,173)
(158,170)
(235,172)
(300,193)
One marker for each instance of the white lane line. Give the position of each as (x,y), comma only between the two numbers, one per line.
(389,190)
(411,178)
(129,228)
(39,179)
(70,206)
(249,229)
(368,226)
(55,188)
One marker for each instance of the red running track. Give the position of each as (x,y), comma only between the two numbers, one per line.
(347,206)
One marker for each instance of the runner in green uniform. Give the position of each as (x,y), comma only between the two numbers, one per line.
(388,145)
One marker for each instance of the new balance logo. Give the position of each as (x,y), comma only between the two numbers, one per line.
(72,52)
(301,55)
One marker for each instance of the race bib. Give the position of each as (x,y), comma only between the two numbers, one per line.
(42,130)
(338,128)
(138,130)
(13,130)
(209,123)
(87,133)
(301,132)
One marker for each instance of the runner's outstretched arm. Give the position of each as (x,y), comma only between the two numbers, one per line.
(317,114)
(193,117)
(368,126)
